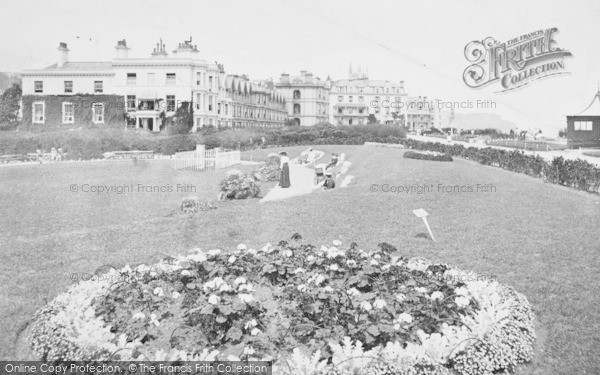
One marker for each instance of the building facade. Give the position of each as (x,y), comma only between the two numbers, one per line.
(306,97)
(254,104)
(352,100)
(151,89)
(583,129)
(421,113)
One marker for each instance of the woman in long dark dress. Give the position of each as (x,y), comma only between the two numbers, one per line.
(284,178)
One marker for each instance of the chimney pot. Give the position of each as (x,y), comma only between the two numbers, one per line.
(122,49)
(63,54)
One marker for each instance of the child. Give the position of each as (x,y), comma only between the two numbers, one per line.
(329,182)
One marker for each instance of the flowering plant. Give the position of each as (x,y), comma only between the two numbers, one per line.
(238,186)
(266,172)
(314,311)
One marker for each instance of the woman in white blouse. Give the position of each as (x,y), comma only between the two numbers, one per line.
(284,178)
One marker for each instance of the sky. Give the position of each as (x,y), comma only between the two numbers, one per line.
(420,42)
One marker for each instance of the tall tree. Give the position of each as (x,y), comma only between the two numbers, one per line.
(9,107)
(372,119)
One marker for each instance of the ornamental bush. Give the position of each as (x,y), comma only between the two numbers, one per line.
(269,170)
(266,172)
(313,311)
(238,185)
(427,156)
(193,204)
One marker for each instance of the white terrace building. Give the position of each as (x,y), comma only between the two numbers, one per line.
(154,87)
(306,97)
(146,90)
(352,100)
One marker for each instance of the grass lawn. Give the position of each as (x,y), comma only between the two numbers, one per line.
(540,238)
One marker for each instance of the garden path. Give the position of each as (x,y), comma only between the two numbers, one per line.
(301,179)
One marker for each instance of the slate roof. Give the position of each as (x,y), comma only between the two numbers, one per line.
(83,66)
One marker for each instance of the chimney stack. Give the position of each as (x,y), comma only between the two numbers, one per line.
(63,54)
(122,49)
(285,78)
(308,78)
(159,50)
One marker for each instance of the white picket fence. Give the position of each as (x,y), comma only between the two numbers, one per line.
(201,159)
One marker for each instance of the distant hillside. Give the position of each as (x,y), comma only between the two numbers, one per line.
(7,80)
(482,121)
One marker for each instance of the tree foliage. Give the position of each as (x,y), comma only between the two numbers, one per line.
(9,107)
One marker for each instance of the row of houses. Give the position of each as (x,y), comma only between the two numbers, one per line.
(143,92)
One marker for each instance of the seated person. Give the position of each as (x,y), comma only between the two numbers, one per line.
(306,156)
(328,183)
(333,162)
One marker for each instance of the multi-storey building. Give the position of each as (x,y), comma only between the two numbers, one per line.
(53,96)
(255,104)
(306,97)
(422,113)
(419,113)
(139,92)
(155,87)
(352,100)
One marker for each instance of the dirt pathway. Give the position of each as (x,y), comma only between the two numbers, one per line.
(302,182)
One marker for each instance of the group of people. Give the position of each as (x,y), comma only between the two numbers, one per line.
(55,155)
(284,179)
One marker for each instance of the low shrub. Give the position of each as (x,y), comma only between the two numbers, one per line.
(238,185)
(273,159)
(266,172)
(193,204)
(427,156)
(595,154)
(269,170)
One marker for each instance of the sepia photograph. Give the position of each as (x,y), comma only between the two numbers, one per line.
(300,187)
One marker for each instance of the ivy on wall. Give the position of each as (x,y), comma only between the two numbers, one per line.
(114,111)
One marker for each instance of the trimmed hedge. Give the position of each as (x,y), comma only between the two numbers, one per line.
(92,143)
(422,156)
(578,174)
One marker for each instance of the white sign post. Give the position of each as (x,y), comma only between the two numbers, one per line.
(421,213)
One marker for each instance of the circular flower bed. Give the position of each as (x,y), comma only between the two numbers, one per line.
(312,311)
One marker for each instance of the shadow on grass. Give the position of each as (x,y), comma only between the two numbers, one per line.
(424,236)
